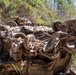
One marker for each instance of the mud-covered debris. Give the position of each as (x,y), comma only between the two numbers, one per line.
(26,49)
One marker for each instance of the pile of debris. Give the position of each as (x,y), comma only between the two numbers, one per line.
(26,49)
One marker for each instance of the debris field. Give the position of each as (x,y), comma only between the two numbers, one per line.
(27,49)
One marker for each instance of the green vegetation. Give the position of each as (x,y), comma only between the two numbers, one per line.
(73,59)
(42,12)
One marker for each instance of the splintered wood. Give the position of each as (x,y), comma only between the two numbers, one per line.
(26,49)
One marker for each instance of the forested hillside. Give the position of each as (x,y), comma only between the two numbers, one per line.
(42,12)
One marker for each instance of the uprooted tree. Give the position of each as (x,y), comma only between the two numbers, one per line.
(26,49)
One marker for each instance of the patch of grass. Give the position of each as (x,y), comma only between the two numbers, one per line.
(74,59)
(17,69)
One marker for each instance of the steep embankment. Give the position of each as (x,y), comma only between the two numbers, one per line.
(36,10)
